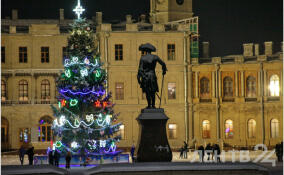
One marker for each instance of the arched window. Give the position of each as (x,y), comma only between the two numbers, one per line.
(274,126)
(229,132)
(23,91)
(251,128)
(44,129)
(251,86)
(4,133)
(3,90)
(274,85)
(228,87)
(206,129)
(45,91)
(204,87)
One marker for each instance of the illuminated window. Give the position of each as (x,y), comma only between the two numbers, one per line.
(228,87)
(229,132)
(274,85)
(121,131)
(251,128)
(251,86)
(3,90)
(45,54)
(171,90)
(206,129)
(204,87)
(3,55)
(172,131)
(44,129)
(274,125)
(118,52)
(23,55)
(23,91)
(171,52)
(45,92)
(119,91)
(25,135)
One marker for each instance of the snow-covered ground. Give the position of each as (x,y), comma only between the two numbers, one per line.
(192,156)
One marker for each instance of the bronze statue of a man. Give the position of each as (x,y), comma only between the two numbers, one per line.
(146,73)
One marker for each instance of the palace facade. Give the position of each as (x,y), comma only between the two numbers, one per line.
(235,100)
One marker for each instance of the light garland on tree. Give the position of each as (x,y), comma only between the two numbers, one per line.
(67,63)
(98,93)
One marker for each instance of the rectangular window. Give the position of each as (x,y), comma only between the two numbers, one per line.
(121,131)
(171,90)
(119,91)
(171,52)
(25,135)
(2,54)
(45,54)
(23,55)
(172,131)
(118,52)
(64,53)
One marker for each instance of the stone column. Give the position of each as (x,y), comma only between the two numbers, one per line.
(196,84)
(236,83)
(242,84)
(191,120)
(33,86)
(265,85)
(259,84)
(219,84)
(213,85)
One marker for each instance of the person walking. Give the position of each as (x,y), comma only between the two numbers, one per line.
(50,157)
(279,151)
(132,153)
(31,153)
(22,152)
(181,153)
(216,152)
(68,159)
(201,153)
(185,150)
(56,158)
(208,150)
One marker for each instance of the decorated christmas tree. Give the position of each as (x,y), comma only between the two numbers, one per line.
(84,116)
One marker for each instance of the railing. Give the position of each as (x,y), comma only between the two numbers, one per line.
(26,102)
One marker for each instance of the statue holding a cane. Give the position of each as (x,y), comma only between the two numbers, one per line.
(146,74)
(152,120)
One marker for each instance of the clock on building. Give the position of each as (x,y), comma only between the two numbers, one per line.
(180,2)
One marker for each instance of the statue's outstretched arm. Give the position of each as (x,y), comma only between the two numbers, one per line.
(163,64)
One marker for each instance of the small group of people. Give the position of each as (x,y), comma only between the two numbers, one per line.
(213,150)
(183,151)
(53,157)
(279,151)
(29,152)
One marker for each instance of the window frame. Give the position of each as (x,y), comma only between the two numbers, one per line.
(228,87)
(251,123)
(3,54)
(44,54)
(118,52)
(171,52)
(274,133)
(205,85)
(23,91)
(208,129)
(48,123)
(45,91)
(119,95)
(23,54)
(3,90)
(174,131)
(272,93)
(172,97)
(251,90)
(227,134)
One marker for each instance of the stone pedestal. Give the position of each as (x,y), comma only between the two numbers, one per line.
(153,141)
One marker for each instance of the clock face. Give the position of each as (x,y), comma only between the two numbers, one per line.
(180,2)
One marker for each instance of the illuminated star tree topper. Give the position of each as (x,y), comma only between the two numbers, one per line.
(79,10)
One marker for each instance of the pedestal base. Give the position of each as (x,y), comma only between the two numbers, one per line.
(153,141)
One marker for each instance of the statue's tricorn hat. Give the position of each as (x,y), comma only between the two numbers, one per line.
(147,47)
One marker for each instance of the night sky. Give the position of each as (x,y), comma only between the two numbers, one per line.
(226,24)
